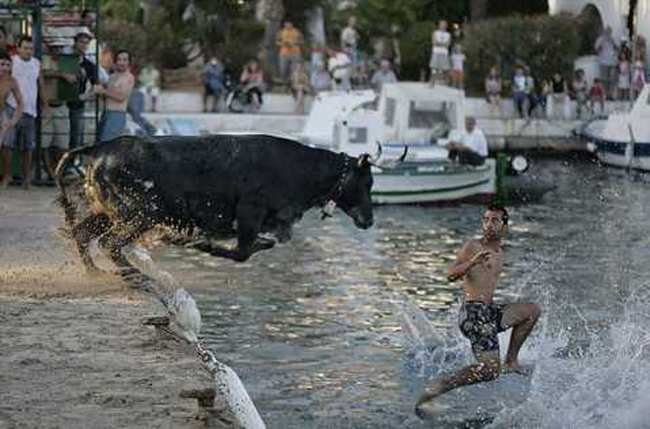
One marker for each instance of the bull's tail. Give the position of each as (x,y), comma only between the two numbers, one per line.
(69,208)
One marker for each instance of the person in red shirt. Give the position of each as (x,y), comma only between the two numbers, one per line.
(9,48)
(597,95)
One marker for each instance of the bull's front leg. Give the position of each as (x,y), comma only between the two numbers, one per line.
(249,222)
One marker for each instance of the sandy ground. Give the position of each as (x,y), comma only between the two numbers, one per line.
(73,350)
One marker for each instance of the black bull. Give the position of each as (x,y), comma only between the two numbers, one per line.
(223,185)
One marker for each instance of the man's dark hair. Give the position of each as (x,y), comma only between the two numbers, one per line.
(82,35)
(24,38)
(499,208)
(4,55)
(122,51)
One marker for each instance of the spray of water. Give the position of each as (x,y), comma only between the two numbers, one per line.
(606,385)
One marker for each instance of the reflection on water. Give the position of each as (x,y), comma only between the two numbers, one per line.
(313,327)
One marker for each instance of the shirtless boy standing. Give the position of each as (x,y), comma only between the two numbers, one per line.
(9,116)
(479,262)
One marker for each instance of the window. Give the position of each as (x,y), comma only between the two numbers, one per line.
(358,135)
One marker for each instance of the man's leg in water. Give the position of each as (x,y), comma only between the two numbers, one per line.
(487,368)
(522,318)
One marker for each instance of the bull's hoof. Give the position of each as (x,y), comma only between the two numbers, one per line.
(135,278)
(64,233)
(264,243)
(93,271)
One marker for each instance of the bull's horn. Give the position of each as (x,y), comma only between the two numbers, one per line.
(364,160)
(375,159)
(403,157)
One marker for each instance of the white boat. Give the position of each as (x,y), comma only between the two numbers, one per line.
(411,114)
(623,139)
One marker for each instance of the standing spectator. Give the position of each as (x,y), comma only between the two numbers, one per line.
(439,63)
(317,56)
(252,78)
(545,92)
(320,78)
(638,79)
(339,66)
(349,40)
(639,49)
(493,90)
(87,72)
(290,41)
(531,91)
(299,85)
(213,84)
(558,97)
(384,75)
(607,51)
(597,95)
(9,116)
(27,72)
(580,92)
(519,96)
(624,77)
(117,93)
(55,132)
(457,61)
(149,78)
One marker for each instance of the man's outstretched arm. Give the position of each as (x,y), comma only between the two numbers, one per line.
(466,259)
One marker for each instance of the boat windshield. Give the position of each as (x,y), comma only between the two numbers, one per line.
(437,116)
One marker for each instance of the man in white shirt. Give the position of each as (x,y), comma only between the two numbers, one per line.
(469,147)
(27,72)
(384,75)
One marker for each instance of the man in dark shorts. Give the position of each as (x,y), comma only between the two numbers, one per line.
(479,262)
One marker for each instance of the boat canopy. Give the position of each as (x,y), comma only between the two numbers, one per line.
(416,112)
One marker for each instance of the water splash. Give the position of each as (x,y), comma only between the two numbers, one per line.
(603,385)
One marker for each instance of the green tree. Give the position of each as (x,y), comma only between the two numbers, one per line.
(548,44)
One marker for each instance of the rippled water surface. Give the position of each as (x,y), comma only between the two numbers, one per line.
(314,326)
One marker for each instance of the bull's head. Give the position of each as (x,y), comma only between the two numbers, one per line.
(354,198)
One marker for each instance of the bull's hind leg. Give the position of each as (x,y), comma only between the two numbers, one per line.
(249,222)
(113,241)
(84,232)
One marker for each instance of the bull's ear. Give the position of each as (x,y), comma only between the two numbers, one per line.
(364,161)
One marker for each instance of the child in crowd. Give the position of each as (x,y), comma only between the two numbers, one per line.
(597,95)
(623,77)
(638,79)
(493,90)
(457,61)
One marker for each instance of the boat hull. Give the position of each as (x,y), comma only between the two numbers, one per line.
(433,182)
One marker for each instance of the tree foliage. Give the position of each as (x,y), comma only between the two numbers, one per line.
(548,44)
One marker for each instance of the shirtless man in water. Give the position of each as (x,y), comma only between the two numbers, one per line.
(9,116)
(479,262)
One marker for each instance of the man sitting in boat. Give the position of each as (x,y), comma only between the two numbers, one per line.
(469,147)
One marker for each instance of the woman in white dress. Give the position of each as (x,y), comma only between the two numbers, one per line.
(441,40)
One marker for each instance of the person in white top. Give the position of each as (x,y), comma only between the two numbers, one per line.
(349,39)
(469,147)
(27,71)
(439,63)
(458,61)
(339,65)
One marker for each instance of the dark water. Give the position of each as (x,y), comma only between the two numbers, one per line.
(313,327)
